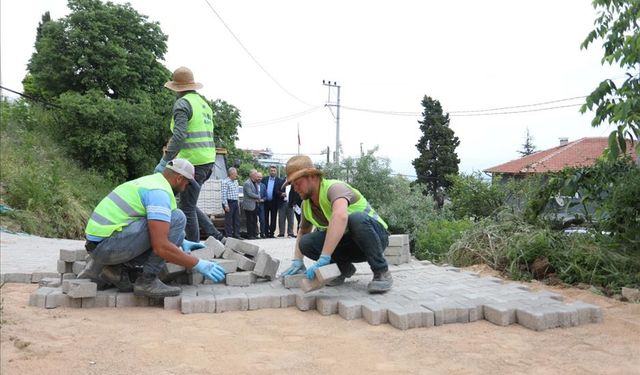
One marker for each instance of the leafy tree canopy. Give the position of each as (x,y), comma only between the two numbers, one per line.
(617,26)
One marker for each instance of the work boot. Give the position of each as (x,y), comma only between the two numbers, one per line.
(343,276)
(150,286)
(382,282)
(91,270)
(118,276)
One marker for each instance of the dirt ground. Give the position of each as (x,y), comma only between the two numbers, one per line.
(154,341)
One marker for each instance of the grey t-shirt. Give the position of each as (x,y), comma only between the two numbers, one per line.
(336,191)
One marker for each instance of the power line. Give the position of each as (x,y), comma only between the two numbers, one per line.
(31,97)
(519,106)
(253,58)
(281,119)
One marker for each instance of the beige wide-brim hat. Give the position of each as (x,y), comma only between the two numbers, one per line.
(300,166)
(182,80)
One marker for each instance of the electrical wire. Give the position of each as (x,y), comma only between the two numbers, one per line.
(281,119)
(253,58)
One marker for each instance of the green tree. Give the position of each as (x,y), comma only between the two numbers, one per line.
(227,121)
(617,26)
(437,147)
(474,197)
(528,147)
(99,46)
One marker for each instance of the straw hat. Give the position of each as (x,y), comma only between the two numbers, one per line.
(300,166)
(182,80)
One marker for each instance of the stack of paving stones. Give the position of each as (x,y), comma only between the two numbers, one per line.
(398,252)
(423,295)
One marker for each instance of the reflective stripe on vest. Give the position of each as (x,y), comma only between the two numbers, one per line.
(123,205)
(198,147)
(325,205)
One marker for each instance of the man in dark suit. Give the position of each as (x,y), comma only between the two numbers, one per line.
(250,204)
(275,198)
(263,196)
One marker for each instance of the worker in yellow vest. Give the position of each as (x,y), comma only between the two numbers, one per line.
(192,127)
(139,224)
(348,228)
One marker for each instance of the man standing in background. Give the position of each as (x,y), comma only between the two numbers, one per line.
(262,191)
(250,201)
(230,204)
(192,139)
(275,197)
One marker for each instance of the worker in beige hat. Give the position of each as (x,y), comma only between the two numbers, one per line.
(348,229)
(192,127)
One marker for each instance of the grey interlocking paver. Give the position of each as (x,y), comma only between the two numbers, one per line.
(216,246)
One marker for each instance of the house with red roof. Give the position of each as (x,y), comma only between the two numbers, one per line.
(579,153)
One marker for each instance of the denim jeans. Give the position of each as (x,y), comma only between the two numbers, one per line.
(133,245)
(364,241)
(188,201)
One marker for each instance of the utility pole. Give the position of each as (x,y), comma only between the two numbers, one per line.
(337,105)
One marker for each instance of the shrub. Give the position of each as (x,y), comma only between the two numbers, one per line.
(434,240)
(474,197)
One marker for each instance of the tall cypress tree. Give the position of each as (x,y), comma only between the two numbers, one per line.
(437,148)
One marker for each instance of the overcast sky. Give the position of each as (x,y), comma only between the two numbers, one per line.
(385,55)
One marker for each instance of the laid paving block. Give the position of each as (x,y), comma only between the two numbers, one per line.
(205,253)
(502,314)
(88,302)
(37,276)
(78,266)
(106,298)
(375,313)
(216,246)
(126,300)
(350,309)
(198,304)
(327,273)
(310,285)
(52,282)
(407,317)
(171,271)
(54,299)
(587,313)
(72,255)
(292,281)
(65,267)
(305,302)
(259,301)
(242,246)
(172,303)
(244,278)
(537,318)
(287,298)
(68,276)
(79,288)
(39,296)
(232,302)
(72,302)
(204,290)
(327,305)
(195,278)
(22,278)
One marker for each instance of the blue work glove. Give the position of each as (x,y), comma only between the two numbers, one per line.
(209,269)
(322,261)
(160,167)
(297,266)
(187,246)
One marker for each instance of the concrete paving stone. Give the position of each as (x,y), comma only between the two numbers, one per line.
(374,313)
(327,273)
(64,267)
(171,271)
(189,290)
(242,246)
(310,285)
(39,296)
(204,253)
(216,246)
(244,278)
(229,265)
(398,239)
(204,290)
(79,288)
(350,309)
(172,303)
(54,299)
(587,313)
(68,276)
(258,301)
(408,317)
(72,255)
(305,302)
(537,318)
(502,314)
(72,302)
(106,298)
(567,316)
(195,278)
(126,300)
(199,304)
(394,250)
(245,263)
(287,298)
(78,266)
(88,302)
(547,294)
(229,254)
(266,266)
(327,305)
(37,276)
(292,281)
(394,259)
(52,282)
(232,302)
(187,304)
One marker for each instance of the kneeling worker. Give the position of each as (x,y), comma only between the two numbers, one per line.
(139,224)
(349,230)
